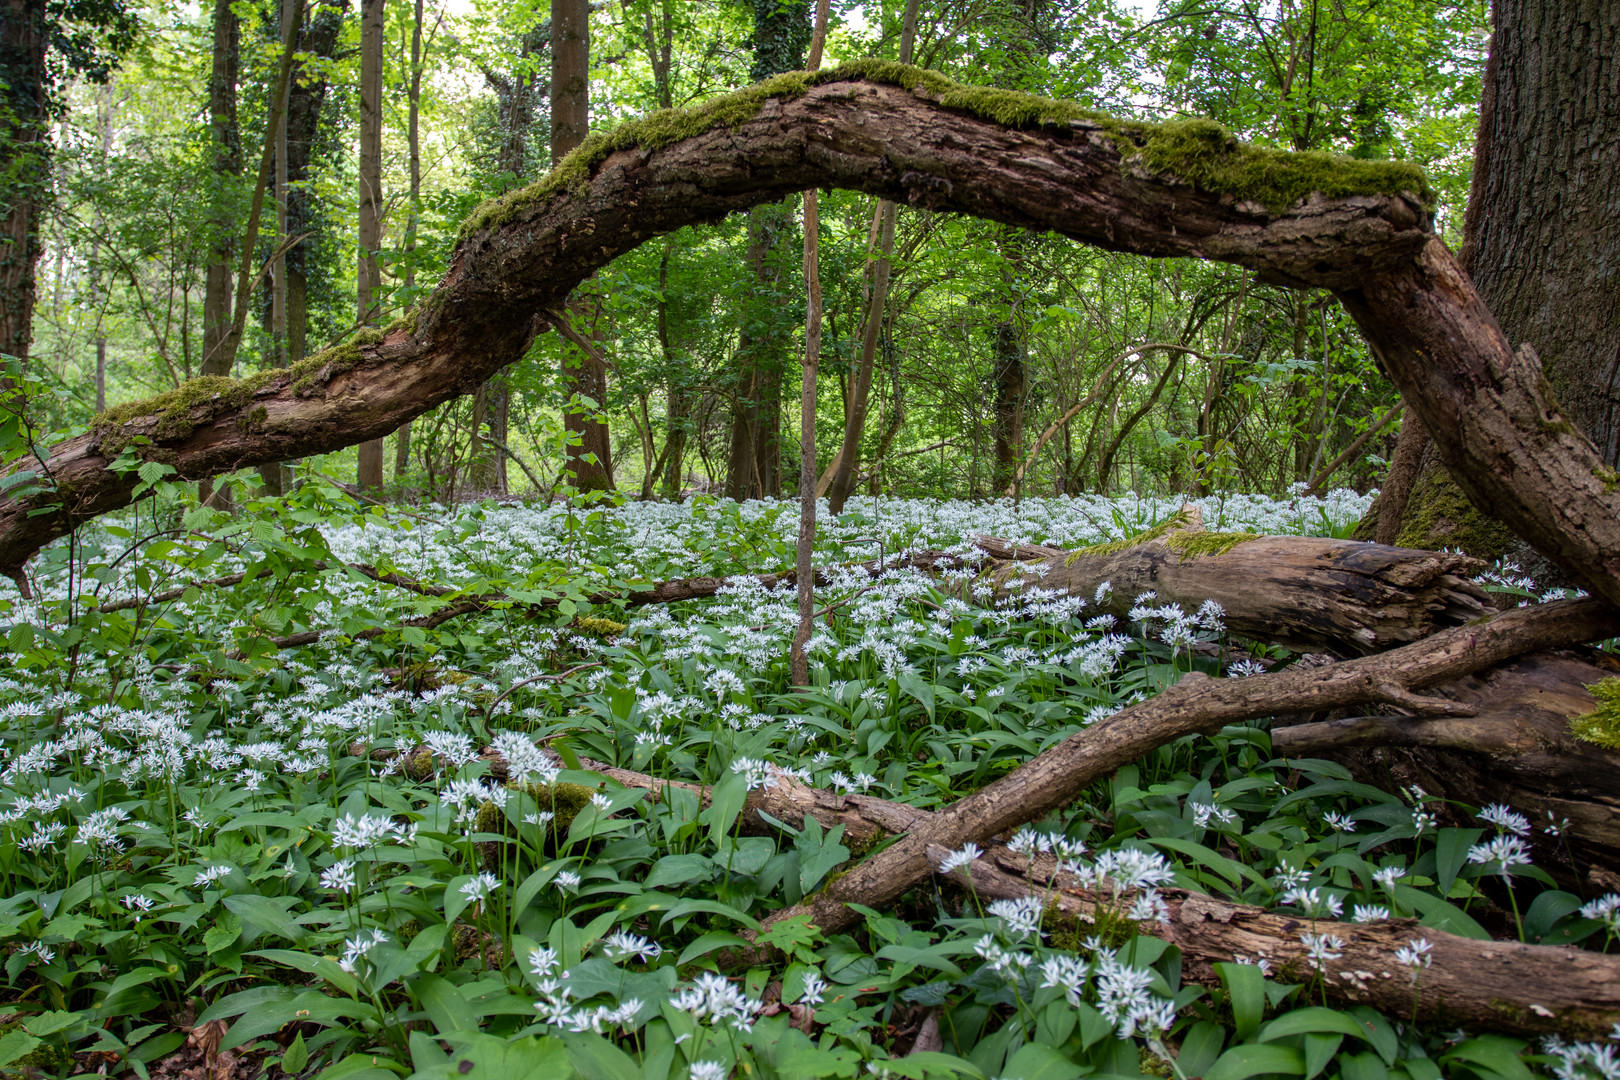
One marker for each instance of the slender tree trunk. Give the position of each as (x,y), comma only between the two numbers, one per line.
(849,453)
(227,166)
(799,660)
(590,459)
(413,93)
(24,154)
(369,292)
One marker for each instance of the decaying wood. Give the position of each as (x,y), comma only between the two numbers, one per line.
(1516,749)
(1503,986)
(1483,985)
(1197,704)
(1303,592)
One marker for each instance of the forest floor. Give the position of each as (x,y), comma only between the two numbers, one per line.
(219,857)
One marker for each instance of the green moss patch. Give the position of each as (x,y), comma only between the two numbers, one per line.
(1438,515)
(1196,151)
(1601,726)
(1176,522)
(1192,544)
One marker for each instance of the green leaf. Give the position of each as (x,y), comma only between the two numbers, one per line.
(903,954)
(477,1056)
(1032,1061)
(680,869)
(444,1003)
(1494,1053)
(1246,988)
(295,1057)
(1312,1019)
(725,803)
(15,1044)
(708,943)
(1256,1059)
(594,1058)
(1451,855)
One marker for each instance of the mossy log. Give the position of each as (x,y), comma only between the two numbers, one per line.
(1307,593)
(1517,748)
(1483,985)
(1504,986)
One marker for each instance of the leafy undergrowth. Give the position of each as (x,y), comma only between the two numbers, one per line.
(204,834)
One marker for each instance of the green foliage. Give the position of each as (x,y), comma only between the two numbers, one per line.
(1601,726)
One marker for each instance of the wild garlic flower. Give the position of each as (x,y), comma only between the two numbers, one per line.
(708,1070)
(1504,850)
(621,944)
(1067,972)
(755,773)
(358,946)
(1338,822)
(1415,955)
(964,856)
(1367,913)
(339,876)
(1314,902)
(1605,908)
(1505,819)
(1022,916)
(1149,906)
(480,887)
(815,989)
(1389,875)
(1322,947)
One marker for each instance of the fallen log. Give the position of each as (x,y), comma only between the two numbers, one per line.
(1516,749)
(1303,592)
(1502,986)
(1199,704)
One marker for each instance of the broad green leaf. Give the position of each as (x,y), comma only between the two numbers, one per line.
(1033,1061)
(444,1003)
(1246,988)
(1256,1059)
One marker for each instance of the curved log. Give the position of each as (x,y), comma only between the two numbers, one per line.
(1303,592)
(890,131)
(1185,189)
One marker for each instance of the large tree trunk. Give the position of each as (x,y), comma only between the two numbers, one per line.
(1106,184)
(1541,230)
(24,159)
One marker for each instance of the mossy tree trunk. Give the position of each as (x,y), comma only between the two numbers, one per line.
(1542,229)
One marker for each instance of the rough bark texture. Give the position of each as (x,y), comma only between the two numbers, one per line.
(1059,775)
(1542,228)
(1517,749)
(857,129)
(369,277)
(1305,592)
(227,165)
(23,160)
(1484,985)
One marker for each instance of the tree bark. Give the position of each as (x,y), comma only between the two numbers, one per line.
(1487,408)
(589,453)
(1517,749)
(1485,985)
(369,275)
(1540,233)
(1303,592)
(1059,775)
(24,159)
(227,141)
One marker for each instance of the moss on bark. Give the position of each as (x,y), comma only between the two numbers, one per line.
(1438,515)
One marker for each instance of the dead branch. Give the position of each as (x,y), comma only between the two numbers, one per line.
(1486,985)
(1195,705)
